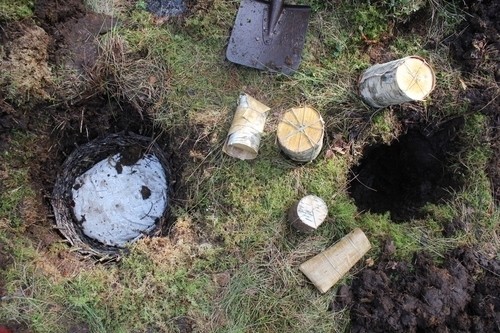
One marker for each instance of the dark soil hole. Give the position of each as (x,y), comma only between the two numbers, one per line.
(413,170)
(184,324)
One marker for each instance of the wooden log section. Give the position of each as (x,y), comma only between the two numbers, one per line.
(328,267)
(308,213)
(300,134)
(243,139)
(404,80)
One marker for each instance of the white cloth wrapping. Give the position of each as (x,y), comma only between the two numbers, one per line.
(116,208)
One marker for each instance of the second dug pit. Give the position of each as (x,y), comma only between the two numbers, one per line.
(414,169)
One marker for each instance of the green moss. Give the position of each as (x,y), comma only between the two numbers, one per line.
(17,186)
(380,228)
(371,22)
(15,10)
(385,126)
(404,46)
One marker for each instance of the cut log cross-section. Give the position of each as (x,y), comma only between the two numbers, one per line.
(403,80)
(300,134)
(308,213)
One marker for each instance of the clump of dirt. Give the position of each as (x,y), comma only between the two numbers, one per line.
(460,295)
(80,49)
(185,324)
(75,47)
(89,63)
(402,177)
(477,47)
(24,69)
(54,13)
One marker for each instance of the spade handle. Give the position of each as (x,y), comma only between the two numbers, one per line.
(274,15)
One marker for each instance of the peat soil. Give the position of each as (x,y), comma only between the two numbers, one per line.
(476,50)
(462,294)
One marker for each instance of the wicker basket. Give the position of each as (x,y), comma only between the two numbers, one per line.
(78,162)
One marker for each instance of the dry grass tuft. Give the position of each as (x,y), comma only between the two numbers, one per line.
(179,247)
(24,70)
(125,76)
(108,7)
(141,81)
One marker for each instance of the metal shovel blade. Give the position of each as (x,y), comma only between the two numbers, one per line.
(256,41)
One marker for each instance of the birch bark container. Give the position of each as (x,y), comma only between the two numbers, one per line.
(403,80)
(328,267)
(300,134)
(308,213)
(243,139)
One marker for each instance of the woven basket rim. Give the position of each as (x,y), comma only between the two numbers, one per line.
(79,161)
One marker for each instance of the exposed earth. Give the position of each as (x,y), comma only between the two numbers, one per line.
(476,50)
(460,294)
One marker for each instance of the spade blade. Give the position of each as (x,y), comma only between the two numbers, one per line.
(279,50)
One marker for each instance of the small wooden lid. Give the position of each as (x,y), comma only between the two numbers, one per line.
(308,214)
(415,78)
(300,130)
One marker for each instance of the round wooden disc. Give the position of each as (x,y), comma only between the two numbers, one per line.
(415,78)
(301,129)
(311,212)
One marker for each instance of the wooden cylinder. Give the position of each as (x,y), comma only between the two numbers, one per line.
(308,213)
(300,134)
(328,267)
(243,138)
(403,80)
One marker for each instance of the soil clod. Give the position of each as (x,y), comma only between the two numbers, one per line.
(460,295)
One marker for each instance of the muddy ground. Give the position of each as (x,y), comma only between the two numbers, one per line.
(476,50)
(458,295)
(461,293)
